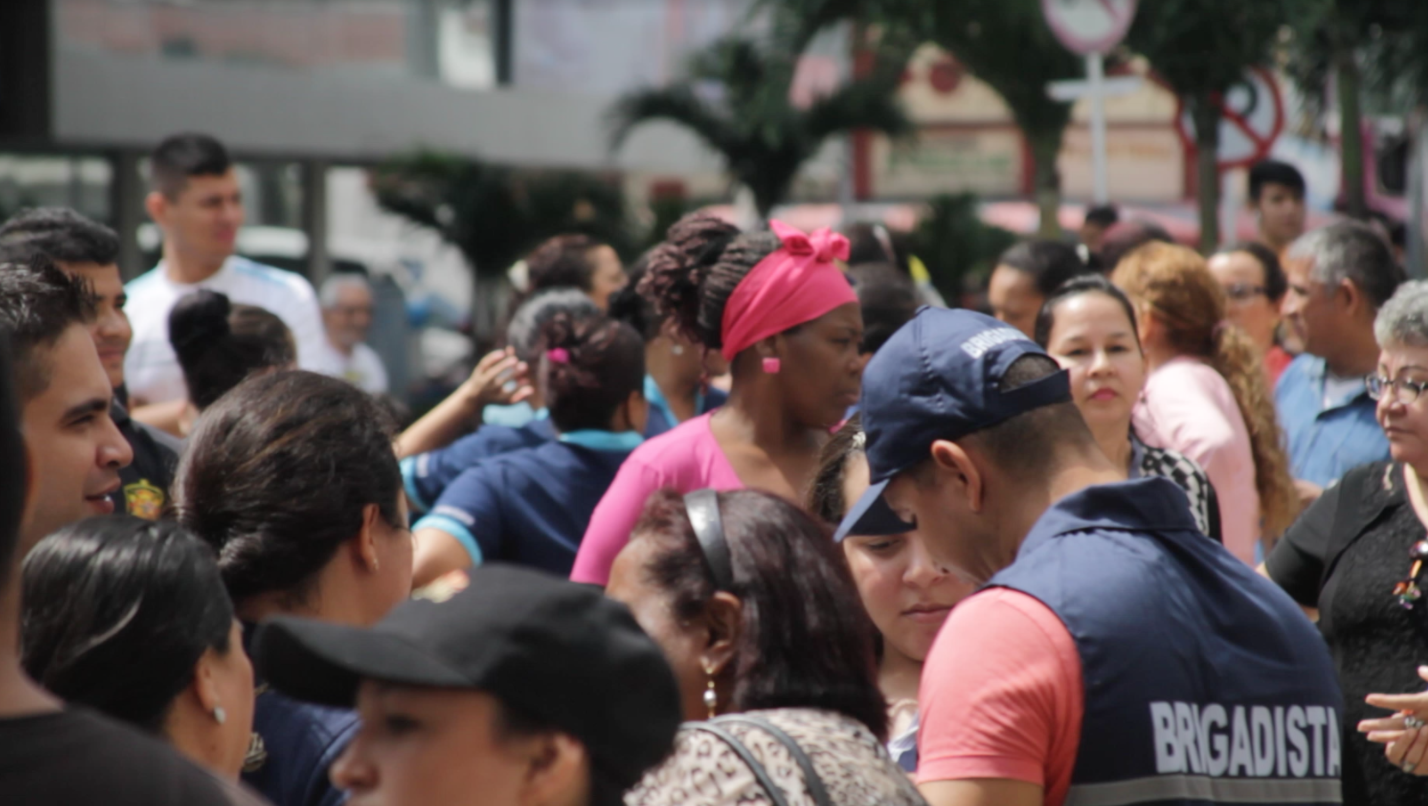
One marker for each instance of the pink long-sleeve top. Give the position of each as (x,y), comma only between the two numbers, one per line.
(1188,407)
(686,458)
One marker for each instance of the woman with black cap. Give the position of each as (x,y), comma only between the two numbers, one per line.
(520,689)
(785,658)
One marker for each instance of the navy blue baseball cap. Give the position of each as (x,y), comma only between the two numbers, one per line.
(938,377)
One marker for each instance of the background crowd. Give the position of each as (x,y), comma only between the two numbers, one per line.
(745,522)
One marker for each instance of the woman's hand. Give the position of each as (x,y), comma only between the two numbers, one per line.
(498,379)
(1405,734)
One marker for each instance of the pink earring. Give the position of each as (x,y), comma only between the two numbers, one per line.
(772,366)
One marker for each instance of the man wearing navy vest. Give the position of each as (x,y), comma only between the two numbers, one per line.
(1114,655)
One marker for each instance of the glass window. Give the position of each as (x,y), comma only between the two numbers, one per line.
(34,180)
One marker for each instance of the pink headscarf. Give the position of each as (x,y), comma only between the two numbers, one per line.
(797,283)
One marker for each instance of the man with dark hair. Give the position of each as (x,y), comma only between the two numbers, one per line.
(1025,275)
(75,449)
(196,201)
(1339,277)
(1098,219)
(1120,655)
(88,250)
(1276,195)
(49,755)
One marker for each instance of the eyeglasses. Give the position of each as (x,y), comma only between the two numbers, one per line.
(1240,292)
(1404,390)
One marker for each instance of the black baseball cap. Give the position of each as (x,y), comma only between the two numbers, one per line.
(556,650)
(938,377)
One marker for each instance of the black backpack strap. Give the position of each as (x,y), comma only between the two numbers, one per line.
(810,775)
(760,774)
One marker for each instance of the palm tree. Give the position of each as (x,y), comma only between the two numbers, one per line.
(736,100)
(1005,43)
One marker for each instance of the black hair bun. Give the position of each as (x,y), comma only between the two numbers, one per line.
(679,266)
(196,322)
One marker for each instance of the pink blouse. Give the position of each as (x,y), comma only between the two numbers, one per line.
(686,458)
(1188,407)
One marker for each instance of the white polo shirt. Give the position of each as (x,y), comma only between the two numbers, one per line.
(363,369)
(151,369)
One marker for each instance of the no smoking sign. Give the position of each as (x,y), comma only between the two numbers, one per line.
(1251,118)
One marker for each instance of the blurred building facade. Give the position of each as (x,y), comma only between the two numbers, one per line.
(299,88)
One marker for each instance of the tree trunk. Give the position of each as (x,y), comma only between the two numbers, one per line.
(1351,144)
(1046,181)
(1206,114)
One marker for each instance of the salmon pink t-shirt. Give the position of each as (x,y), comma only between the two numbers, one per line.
(685,458)
(1002,696)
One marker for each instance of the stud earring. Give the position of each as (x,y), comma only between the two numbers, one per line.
(711,697)
(772,366)
(677,349)
(219,715)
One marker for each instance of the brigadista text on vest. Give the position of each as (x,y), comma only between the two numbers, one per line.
(1204,683)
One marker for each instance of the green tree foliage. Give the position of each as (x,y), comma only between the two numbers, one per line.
(1375,54)
(736,100)
(955,245)
(1007,44)
(1202,48)
(495,214)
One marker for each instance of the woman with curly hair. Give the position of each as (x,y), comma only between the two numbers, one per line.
(1206,396)
(787,320)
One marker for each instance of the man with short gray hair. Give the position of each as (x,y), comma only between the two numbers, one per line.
(346,315)
(1339,277)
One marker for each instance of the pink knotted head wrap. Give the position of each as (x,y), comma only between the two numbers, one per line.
(797,283)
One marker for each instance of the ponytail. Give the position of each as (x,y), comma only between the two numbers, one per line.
(1232,354)
(218,344)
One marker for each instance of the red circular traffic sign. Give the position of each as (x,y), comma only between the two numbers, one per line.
(1251,119)
(1089,26)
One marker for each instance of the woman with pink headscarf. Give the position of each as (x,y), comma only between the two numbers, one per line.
(786,319)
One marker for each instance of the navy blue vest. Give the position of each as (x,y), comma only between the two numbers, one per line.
(1204,683)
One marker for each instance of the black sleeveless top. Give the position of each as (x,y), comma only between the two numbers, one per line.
(1344,555)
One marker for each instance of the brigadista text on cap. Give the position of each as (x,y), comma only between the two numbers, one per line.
(556,650)
(938,377)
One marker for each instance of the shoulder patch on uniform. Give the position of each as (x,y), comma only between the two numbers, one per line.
(144,500)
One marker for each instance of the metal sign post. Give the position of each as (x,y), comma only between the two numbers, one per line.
(1091,28)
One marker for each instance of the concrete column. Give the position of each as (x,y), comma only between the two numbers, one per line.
(314,219)
(126,205)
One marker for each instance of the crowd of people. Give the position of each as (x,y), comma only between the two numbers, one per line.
(755,520)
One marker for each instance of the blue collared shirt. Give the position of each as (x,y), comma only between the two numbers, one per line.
(661,416)
(1325,443)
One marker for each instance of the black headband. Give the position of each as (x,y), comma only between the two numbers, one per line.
(703,509)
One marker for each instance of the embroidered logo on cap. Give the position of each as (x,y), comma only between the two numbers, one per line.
(978,345)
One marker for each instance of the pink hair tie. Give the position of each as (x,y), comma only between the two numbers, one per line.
(558,355)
